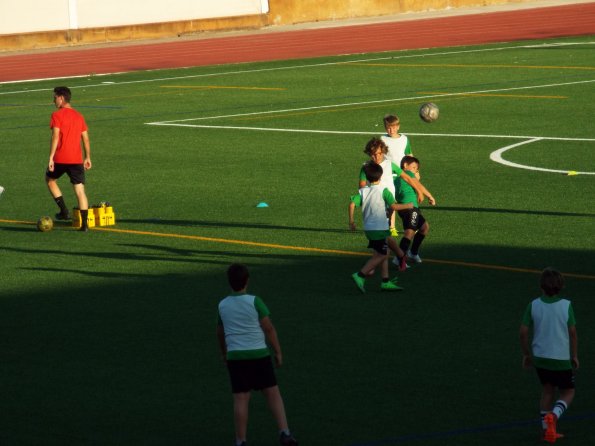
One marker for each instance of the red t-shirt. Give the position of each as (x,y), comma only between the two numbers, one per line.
(71,124)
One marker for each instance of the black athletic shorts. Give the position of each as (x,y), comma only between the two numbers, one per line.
(380,246)
(76,172)
(562,379)
(251,374)
(412,219)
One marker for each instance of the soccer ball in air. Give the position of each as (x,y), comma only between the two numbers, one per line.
(429,112)
(45,224)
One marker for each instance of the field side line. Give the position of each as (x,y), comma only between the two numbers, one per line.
(332,251)
(347,132)
(307,249)
(259,70)
(233,242)
(379,101)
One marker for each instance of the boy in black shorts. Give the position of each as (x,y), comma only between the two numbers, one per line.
(243,330)
(415,225)
(375,199)
(553,351)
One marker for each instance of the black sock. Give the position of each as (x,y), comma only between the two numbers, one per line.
(404,244)
(419,237)
(385,279)
(60,202)
(84,216)
(362,275)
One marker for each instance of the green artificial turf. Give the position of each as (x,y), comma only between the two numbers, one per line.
(108,337)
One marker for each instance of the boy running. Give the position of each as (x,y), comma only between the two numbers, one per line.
(374,200)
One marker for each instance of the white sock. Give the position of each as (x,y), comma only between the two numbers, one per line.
(542,415)
(559,408)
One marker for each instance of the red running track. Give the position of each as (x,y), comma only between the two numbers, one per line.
(536,23)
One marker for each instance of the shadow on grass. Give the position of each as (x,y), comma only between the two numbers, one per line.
(509,211)
(222,224)
(108,351)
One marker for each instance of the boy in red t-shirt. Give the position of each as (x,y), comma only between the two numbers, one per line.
(68,129)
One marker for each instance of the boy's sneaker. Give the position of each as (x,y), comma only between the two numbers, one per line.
(394,232)
(415,257)
(359,282)
(558,436)
(391,285)
(550,433)
(400,263)
(62,216)
(287,440)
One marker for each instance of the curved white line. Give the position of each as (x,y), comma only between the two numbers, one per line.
(496,156)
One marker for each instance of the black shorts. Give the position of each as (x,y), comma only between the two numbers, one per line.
(251,374)
(380,246)
(76,172)
(412,219)
(562,379)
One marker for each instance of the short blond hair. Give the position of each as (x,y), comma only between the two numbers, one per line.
(391,119)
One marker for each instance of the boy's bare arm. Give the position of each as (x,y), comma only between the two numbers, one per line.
(524,338)
(401,207)
(419,188)
(271,336)
(221,340)
(351,212)
(573,346)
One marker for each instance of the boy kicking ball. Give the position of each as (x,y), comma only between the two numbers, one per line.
(374,200)
(414,223)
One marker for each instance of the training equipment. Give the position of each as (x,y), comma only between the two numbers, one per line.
(77,218)
(572,172)
(1,190)
(429,112)
(45,224)
(101,214)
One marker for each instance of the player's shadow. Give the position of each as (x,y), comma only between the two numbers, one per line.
(102,274)
(220,224)
(507,211)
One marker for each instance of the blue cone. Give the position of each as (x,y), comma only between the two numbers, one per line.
(262,204)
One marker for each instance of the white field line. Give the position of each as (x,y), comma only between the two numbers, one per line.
(496,156)
(348,132)
(380,101)
(260,70)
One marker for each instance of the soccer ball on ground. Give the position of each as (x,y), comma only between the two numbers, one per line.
(429,112)
(45,224)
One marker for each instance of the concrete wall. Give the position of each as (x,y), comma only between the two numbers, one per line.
(32,24)
(299,11)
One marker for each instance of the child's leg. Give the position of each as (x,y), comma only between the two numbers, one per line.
(394,247)
(548,392)
(384,269)
(240,414)
(406,240)
(275,403)
(566,397)
(419,237)
(374,261)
